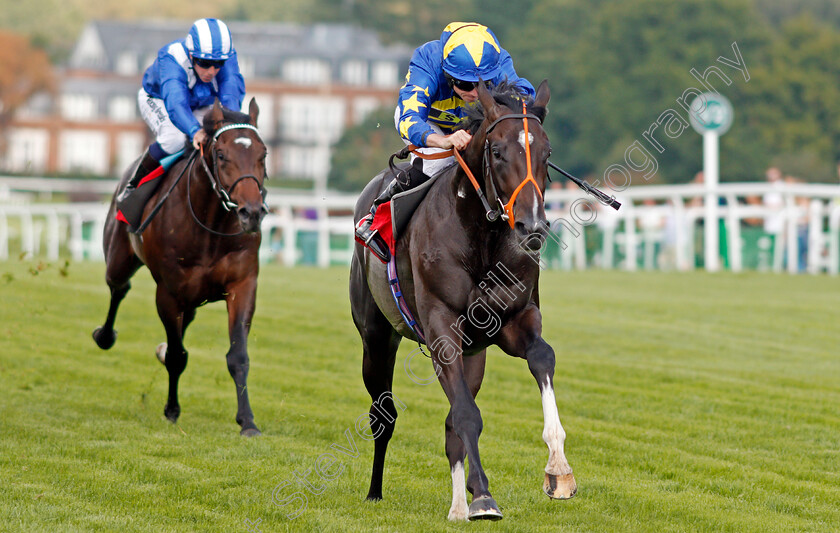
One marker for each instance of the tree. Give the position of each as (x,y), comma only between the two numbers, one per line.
(794,95)
(363,151)
(617,65)
(24,71)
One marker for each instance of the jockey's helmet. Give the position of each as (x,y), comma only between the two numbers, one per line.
(470,52)
(209,39)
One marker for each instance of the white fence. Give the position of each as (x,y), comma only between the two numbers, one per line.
(657,226)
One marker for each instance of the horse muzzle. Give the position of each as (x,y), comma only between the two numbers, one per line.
(250,217)
(531,235)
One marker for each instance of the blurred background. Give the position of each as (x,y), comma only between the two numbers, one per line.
(326,74)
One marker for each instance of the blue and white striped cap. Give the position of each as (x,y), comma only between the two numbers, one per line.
(209,39)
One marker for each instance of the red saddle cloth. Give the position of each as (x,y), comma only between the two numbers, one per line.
(382,224)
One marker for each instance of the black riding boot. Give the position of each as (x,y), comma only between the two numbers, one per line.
(138,190)
(370,237)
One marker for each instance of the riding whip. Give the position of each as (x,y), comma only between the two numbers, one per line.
(602,197)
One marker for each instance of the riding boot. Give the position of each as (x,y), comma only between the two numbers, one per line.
(138,190)
(370,237)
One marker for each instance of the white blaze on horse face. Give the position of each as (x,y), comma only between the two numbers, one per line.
(244,141)
(553,433)
(459,509)
(522,138)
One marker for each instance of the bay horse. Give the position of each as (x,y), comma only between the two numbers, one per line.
(202,246)
(471,283)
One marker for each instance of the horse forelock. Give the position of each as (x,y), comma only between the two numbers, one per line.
(229,116)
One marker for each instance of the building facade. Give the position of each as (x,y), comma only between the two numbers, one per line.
(310,82)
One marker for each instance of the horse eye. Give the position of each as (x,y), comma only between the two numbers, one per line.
(220,156)
(496,152)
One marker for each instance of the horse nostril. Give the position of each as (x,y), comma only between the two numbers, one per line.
(532,236)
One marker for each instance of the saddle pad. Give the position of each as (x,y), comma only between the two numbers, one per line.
(405,203)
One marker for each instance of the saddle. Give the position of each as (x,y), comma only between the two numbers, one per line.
(393,216)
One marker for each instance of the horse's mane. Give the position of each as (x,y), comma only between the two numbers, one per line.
(229,115)
(506,94)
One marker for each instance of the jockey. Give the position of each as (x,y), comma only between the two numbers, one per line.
(178,89)
(440,83)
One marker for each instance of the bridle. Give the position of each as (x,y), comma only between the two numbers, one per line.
(506,210)
(216,183)
(503,211)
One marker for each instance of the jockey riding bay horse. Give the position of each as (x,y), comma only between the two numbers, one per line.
(201,246)
(470,276)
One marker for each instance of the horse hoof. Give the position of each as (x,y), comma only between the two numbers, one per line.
(560,487)
(484,508)
(104,338)
(250,432)
(172,414)
(160,353)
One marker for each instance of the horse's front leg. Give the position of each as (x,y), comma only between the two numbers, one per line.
(522,338)
(455,450)
(464,417)
(241,300)
(172,354)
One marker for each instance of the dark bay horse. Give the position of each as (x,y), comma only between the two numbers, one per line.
(471,283)
(202,246)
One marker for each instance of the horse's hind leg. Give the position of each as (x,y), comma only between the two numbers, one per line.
(455,449)
(121,264)
(380,343)
(175,356)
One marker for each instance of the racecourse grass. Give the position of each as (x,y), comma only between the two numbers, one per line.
(692,402)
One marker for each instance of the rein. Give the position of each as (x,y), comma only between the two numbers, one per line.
(505,211)
(216,183)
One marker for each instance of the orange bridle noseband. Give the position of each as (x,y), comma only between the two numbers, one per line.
(505,210)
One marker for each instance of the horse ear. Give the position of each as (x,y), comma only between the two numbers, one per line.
(488,103)
(543,94)
(216,115)
(253,111)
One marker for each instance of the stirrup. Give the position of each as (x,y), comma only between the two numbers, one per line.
(376,244)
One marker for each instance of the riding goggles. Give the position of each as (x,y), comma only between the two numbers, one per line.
(208,63)
(466,86)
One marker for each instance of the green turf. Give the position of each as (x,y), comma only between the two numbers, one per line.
(692,402)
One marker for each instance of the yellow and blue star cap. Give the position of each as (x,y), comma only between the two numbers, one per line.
(470,51)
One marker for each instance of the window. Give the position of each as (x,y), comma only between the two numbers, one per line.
(27,150)
(306,162)
(84,151)
(126,63)
(129,148)
(354,72)
(122,109)
(363,106)
(306,71)
(78,107)
(246,66)
(385,74)
(310,118)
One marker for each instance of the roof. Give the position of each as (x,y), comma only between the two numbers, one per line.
(104,42)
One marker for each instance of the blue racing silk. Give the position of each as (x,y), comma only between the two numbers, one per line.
(427,97)
(172,78)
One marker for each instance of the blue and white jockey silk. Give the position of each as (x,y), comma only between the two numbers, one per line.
(426,98)
(172,78)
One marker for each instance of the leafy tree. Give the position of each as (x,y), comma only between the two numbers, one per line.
(618,65)
(363,151)
(24,71)
(795,93)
